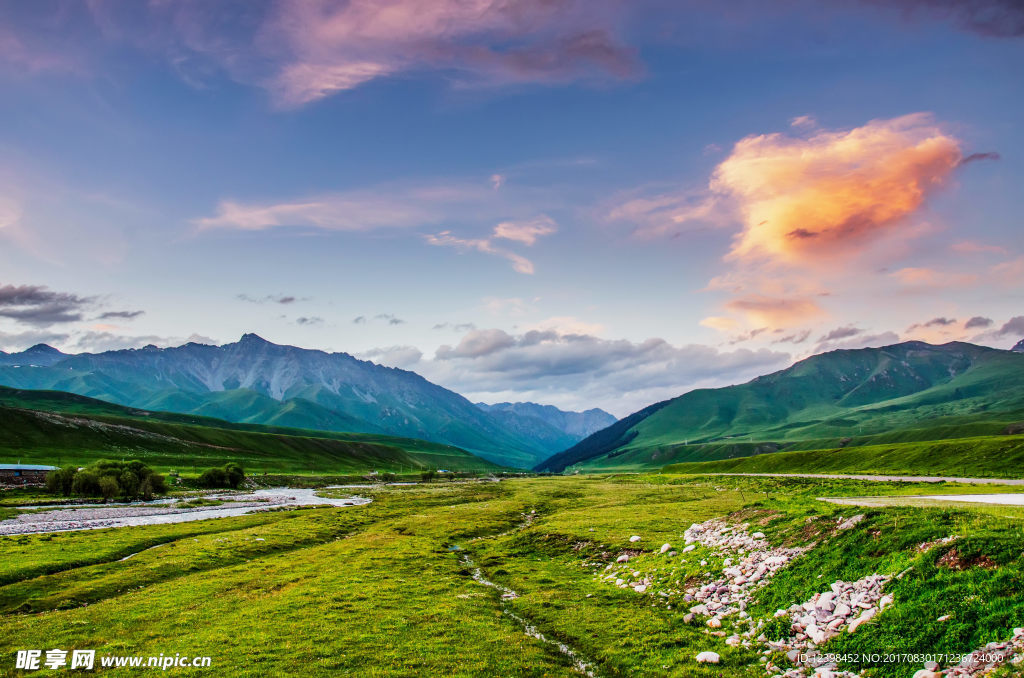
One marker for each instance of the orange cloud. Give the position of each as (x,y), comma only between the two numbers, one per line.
(763,311)
(927,278)
(805,201)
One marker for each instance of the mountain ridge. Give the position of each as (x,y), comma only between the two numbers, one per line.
(256,381)
(840,395)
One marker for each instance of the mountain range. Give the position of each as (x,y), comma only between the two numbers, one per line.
(904,392)
(256,381)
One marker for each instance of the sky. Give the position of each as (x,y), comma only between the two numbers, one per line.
(584,203)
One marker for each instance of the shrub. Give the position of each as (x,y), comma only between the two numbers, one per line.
(234,474)
(86,484)
(231,475)
(427,476)
(108,487)
(213,477)
(128,479)
(60,481)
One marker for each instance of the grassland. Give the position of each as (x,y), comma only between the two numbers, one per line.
(58,428)
(386,589)
(987,457)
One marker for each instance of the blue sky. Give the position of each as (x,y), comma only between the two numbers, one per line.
(522,200)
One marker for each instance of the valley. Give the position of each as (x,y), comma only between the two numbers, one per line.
(442,578)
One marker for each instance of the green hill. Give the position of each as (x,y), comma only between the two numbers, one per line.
(988,457)
(52,427)
(906,392)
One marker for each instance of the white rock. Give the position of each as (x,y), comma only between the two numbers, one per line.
(689,548)
(666,547)
(925,673)
(640,588)
(758,535)
(624,558)
(635,538)
(842,610)
(945,617)
(708,658)
(715,623)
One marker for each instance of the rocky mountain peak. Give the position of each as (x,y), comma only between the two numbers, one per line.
(1019,347)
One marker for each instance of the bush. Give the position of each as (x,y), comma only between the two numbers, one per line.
(235,475)
(213,477)
(60,481)
(109,487)
(86,484)
(427,476)
(231,475)
(108,479)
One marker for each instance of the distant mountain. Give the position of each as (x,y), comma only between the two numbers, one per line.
(38,355)
(255,381)
(52,427)
(908,391)
(558,429)
(1018,347)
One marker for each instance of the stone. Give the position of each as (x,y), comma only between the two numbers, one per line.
(715,623)
(689,548)
(842,610)
(758,535)
(665,547)
(793,655)
(925,673)
(634,539)
(708,658)
(624,558)
(945,617)
(688,618)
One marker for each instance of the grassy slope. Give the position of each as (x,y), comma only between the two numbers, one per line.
(900,393)
(83,430)
(994,457)
(378,591)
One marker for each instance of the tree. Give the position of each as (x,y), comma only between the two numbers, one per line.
(108,487)
(213,477)
(60,481)
(428,475)
(234,475)
(129,483)
(86,484)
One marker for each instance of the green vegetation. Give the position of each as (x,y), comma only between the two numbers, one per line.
(231,475)
(910,392)
(107,479)
(386,589)
(991,457)
(64,429)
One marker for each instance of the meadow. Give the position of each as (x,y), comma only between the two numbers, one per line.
(388,589)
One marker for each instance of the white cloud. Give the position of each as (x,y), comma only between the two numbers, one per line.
(582,370)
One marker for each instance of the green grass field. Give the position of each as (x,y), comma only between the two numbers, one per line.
(387,589)
(986,457)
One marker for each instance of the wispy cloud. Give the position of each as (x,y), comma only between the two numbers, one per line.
(284,299)
(120,315)
(525,232)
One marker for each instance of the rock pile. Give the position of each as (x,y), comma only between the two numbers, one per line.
(986,659)
(730,593)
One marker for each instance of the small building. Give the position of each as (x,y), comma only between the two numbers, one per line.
(24,474)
